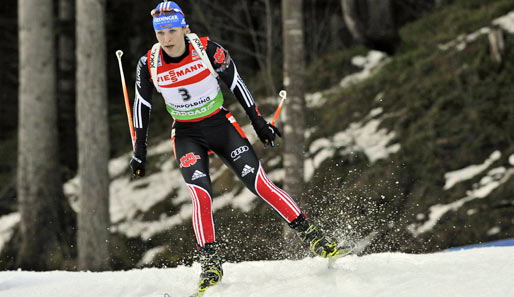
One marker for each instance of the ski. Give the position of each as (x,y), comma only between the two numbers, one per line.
(203,285)
(199,292)
(350,248)
(333,259)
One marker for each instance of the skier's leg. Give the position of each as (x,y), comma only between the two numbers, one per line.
(193,161)
(232,146)
(238,155)
(192,157)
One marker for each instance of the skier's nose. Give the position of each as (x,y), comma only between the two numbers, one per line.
(168,38)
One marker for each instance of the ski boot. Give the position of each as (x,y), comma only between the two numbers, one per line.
(212,272)
(317,242)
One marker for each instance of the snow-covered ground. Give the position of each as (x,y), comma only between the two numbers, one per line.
(505,22)
(494,178)
(129,199)
(477,272)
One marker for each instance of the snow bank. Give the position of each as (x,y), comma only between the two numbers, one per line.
(505,22)
(369,64)
(454,177)
(494,178)
(478,272)
(7,224)
(364,136)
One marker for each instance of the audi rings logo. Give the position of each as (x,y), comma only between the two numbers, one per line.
(236,154)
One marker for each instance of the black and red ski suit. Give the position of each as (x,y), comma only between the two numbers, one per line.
(198,130)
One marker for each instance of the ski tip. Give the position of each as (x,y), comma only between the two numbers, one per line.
(333,259)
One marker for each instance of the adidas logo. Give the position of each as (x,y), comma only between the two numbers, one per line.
(246,170)
(198,174)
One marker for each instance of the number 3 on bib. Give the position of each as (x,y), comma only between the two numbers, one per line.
(184,93)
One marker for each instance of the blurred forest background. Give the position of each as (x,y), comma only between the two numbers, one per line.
(449,108)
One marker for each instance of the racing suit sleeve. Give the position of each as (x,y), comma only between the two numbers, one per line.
(142,107)
(227,70)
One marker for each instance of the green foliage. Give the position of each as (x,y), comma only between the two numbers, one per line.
(449,109)
(446,24)
(327,70)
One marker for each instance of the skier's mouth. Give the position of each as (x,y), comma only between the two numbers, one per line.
(168,47)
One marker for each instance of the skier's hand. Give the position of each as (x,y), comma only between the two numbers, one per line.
(265,131)
(138,166)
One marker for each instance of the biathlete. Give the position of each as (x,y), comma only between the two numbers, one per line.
(202,124)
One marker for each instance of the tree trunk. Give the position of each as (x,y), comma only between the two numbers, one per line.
(93,140)
(353,20)
(439,3)
(269,48)
(39,184)
(294,67)
(381,30)
(371,22)
(496,44)
(66,84)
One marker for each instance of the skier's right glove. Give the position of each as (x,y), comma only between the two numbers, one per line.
(138,166)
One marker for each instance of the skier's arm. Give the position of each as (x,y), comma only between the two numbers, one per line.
(142,107)
(227,70)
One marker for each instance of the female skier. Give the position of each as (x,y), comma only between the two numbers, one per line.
(201,124)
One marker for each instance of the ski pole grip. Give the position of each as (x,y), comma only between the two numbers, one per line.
(283,95)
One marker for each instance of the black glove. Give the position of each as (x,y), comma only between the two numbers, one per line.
(138,166)
(265,131)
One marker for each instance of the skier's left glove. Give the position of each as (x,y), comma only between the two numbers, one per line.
(138,166)
(265,131)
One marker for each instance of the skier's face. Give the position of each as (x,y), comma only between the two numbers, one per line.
(172,40)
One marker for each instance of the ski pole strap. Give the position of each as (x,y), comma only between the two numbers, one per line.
(200,50)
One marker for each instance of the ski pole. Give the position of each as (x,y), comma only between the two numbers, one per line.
(283,95)
(119,53)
